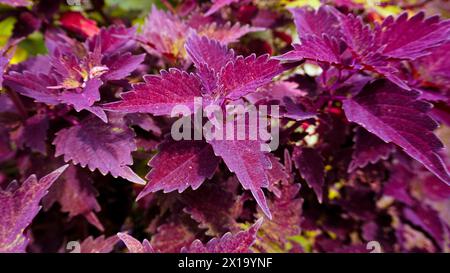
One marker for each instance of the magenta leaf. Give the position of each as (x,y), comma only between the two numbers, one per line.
(368,149)
(249,163)
(226,33)
(397,116)
(179,165)
(427,219)
(171,237)
(320,49)
(91,140)
(159,94)
(311,167)
(85,99)
(116,38)
(73,72)
(33,86)
(163,34)
(133,245)
(20,204)
(76,195)
(33,133)
(410,38)
(99,244)
(120,66)
(16,3)
(365,48)
(316,23)
(398,185)
(228,243)
(435,67)
(217,5)
(245,75)
(215,206)
(276,175)
(202,50)
(3,63)
(287,217)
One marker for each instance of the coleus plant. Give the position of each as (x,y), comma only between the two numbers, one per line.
(364,106)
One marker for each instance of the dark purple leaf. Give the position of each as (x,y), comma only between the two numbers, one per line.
(228,243)
(159,94)
(411,38)
(20,204)
(397,116)
(250,164)
(33,133)
(106,147)
(368,149)
(245,75)
(202,50)
(179,165)
(287,216)
(99,244)
(76,195)
(311,167)
(172,237)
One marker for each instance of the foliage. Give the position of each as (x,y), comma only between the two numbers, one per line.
(87,100)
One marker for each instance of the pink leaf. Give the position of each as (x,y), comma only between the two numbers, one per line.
(397,116)
(106,147)
(179,165)
(20,204)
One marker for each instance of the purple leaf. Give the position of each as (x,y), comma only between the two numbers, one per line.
(215,206)
(76,195)
(397,116)
(120,66)
(433,189)
(310,165)
(368,149)
(411,38)
(179,165)
(99,244)
(217,5)
(113,39)
(398,185)
(247,160)
(435,68)
(171,237)
(33,133)
(16,3)
(364,48)
(203,50)
(20,204)
(159,94)
(3,63)
(245,75)
(134,246)
(287,217)
(316,23)
(320,49)
(427,219)
(276,175)
(85,98)
(163,34)
(106,147)
(33,86)
(228,243)
(226,33)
